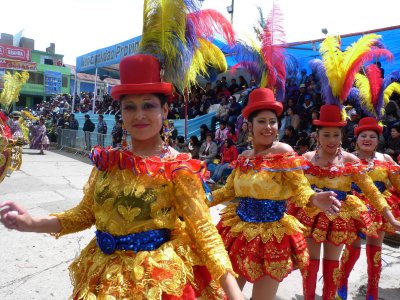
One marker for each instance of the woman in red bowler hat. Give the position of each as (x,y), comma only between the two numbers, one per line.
(386,176)
(264,243)
(332,169)
(154,234)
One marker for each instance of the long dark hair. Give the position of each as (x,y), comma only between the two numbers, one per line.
(195,140)
(229,143)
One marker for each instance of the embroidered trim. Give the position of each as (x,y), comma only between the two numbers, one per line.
(110,158)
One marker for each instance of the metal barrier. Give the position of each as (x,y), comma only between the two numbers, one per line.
(81,141)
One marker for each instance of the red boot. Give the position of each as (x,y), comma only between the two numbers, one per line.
(330,270)
(310,279)
(374,261)
(349,257)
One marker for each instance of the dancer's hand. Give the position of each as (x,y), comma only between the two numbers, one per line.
(230,287)
(392,220)
(327,202)
(396,225)
(14,216)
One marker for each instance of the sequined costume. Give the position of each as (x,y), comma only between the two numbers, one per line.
(353,216)
(128,194)
(260,237)
(386,177)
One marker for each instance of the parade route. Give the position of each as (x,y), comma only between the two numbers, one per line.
(35,266)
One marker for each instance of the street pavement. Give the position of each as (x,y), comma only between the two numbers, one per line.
(35,266)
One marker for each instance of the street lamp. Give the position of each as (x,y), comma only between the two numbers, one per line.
(230,10)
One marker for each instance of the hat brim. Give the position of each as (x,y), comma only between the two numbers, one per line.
(276,107)
(329,124)
(375,128)
(144,88)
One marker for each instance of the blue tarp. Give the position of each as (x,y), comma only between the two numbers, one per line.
(306,51)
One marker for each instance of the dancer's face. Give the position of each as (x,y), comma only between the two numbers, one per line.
(329,139)
(367,141)
(143,115)
(265,128)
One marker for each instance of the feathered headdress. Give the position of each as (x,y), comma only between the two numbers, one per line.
(371,92)
(13,84)
(180,35)
(266,63)
(337,70)
(10,151)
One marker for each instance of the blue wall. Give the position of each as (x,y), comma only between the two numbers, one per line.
(193,124)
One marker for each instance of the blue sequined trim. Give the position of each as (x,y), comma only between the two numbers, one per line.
(380,185)
(260,211)
(340,195)
(342,292)
(141,241)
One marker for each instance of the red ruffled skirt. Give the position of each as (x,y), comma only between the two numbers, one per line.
(379,222)
(339,229)
(259,249)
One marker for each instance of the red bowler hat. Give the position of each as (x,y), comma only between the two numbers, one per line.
(368,123)
(330,116)
(140,74)
(260,99)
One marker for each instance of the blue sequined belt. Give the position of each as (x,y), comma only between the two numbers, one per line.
(380,185)
(340,195)
(141,241)
(259,211)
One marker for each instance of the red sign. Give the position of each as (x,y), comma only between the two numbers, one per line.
(17,65)
(17,53)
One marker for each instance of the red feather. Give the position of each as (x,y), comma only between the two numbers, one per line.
(272,51)
(375,53)
(208,22)
(375,82)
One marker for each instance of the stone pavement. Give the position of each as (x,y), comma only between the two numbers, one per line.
(35,266)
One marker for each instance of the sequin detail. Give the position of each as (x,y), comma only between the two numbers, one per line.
(381,186)
(260,211)
(141,241)
(340,195)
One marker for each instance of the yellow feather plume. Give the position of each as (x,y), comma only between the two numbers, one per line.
(206,55)
(362,84)
(391,88)
(332,57)
(13,84)
(356,49)
(164,25)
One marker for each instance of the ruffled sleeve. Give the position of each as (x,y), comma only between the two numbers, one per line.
(226,193)
(300,186)
(370,191)
(394,175)
(80,217)
(190,203)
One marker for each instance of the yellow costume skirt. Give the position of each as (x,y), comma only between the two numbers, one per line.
(173,271)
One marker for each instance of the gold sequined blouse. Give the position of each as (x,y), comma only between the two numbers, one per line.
(128,194)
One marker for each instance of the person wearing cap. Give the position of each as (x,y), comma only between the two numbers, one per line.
(263,242)
(385,174)
(330,168)
(154,235)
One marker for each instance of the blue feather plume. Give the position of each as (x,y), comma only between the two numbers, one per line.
(317,67)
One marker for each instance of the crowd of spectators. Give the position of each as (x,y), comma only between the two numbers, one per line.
(229,134)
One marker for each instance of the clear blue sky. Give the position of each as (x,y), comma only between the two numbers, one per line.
(81,26)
